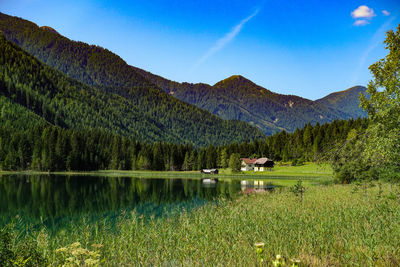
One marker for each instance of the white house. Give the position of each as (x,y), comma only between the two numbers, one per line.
(262,164)
(247,164)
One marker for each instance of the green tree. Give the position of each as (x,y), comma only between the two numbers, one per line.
(383,107)
(158,161)
(143,163)
(192,160)
(185,165)
(348,162)
(211,157)
(234,162)
(115,154)
(223,159)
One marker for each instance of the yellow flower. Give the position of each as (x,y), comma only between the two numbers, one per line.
(91,262)
(79,251)
(75,245)
(259,245)
(61,250)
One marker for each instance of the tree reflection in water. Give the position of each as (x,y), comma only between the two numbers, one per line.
(55,200)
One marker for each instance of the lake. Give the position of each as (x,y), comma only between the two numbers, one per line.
(56,200)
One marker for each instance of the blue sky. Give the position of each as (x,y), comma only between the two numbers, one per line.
(306,48)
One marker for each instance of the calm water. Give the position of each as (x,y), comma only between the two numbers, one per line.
(56,200)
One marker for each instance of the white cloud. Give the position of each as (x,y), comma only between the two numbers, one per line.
(361,22)
(226,39)
(363,12)
(385,12)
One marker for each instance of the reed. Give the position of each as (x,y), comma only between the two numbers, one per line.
(333,225)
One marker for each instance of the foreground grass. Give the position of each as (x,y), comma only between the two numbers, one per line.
(333,226)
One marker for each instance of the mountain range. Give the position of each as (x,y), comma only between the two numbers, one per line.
(68,78)
(239,98)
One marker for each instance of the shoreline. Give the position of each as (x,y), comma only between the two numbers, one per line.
(287,175)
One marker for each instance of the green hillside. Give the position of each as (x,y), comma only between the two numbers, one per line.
(14,116)
(68,103)
(112,96)
(346,101)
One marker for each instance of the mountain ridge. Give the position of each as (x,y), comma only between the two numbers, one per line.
(234,98)
(149,107)
(218,100)
(49,29)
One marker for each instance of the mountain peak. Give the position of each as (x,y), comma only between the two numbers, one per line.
(233,80)
(49,29)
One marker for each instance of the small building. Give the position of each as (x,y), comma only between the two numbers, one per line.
(209,171)
(247,164)
(262,164)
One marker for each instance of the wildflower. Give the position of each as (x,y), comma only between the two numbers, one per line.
(93,254)
(79,251)
(279,261)
(259,245)
(61,250)
(260,250)
(75,245)
(295,262)
(91,262)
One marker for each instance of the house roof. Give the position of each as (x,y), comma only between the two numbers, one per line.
(248,160)
(262,160)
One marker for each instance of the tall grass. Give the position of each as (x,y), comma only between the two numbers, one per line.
(333,225)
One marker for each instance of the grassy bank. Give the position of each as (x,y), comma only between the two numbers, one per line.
(280,175)
(280,170)
(332,226)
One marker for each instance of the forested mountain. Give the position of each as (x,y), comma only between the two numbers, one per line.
(68,103)
(108,95)
(238,98)
(233,98)
(346,101)
(13,116)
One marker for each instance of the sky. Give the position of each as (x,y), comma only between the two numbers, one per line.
(305,48)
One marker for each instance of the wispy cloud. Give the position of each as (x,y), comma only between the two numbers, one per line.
(374,42)
(229,37)
(385,12)
(361,22)
(363,12)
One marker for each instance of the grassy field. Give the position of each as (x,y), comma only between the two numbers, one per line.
(334,225)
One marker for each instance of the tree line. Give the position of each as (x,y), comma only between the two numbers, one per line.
(52,148)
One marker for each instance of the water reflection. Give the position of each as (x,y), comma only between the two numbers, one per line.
(56,197)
